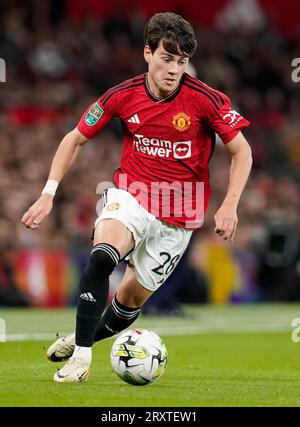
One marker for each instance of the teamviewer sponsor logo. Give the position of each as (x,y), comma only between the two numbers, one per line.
(182,149)
(162,148)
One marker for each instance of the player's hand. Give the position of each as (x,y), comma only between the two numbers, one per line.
(38,211)
(226,222)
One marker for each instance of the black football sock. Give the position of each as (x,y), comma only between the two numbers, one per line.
(93,292)
(115,319)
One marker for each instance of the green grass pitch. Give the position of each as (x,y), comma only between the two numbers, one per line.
(217,356)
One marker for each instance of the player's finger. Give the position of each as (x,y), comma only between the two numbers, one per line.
(219,229)
(233,233)
(224,230)
(31,221)
(39,218)
(230,227)
(36,220)
(219,232)
(35,224)
(227,230)
(230,230)
(228,233)
(28,221)
(26,217)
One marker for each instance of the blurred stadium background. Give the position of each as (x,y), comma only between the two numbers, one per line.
(60,55)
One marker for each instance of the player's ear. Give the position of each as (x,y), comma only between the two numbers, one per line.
(147,53)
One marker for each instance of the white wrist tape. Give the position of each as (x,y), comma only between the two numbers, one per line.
(50,187)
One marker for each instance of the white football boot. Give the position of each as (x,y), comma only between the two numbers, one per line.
(62,349)
(75,370)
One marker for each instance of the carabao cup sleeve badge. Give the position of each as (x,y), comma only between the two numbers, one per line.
(93,115)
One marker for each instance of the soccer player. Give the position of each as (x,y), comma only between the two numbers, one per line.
(161,187)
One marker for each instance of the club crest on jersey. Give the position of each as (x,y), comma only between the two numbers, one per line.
(93,115)
(181,121)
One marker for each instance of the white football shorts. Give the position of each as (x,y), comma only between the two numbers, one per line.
(158,244)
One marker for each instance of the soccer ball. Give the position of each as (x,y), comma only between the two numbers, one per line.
(139,356)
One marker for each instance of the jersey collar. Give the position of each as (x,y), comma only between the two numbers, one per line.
(161,100)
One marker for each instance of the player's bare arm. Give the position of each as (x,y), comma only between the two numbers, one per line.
(65,155)
(226,217)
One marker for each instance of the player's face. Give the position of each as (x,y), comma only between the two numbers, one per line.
(165,70)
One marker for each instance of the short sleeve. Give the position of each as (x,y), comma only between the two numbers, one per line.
(97,116)
(224,120)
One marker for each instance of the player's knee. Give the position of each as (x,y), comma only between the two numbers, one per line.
(104,258)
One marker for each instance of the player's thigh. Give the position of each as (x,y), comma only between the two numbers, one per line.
(158,255)
(115,233)
(130,292)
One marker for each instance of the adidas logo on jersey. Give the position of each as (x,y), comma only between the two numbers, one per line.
(88,297)
(134,119)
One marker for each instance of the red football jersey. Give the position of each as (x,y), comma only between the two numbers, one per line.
(167,143)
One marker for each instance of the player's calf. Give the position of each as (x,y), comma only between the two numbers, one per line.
(93,291)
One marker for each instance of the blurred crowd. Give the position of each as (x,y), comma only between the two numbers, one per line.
(55,69)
